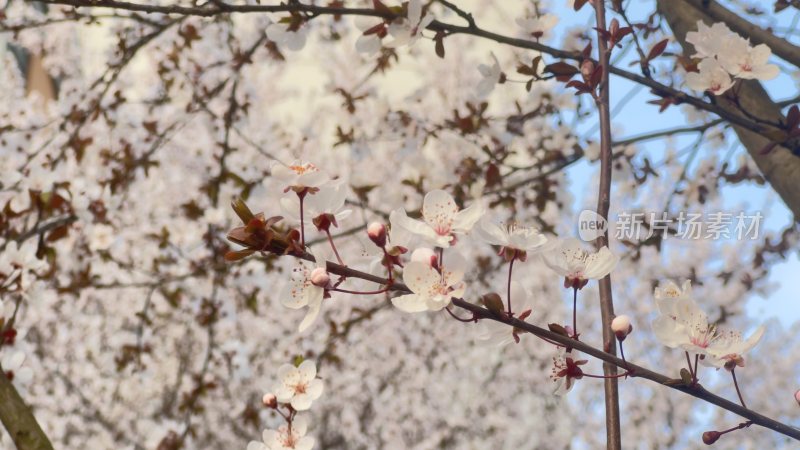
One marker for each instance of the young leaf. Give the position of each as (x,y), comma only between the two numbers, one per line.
(657,49)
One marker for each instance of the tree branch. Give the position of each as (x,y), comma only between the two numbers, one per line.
(603,102)
(637,371)
(18,419)
(216,8)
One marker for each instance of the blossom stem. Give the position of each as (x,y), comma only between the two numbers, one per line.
(459,318)
(345,291)
(302,195)
(696,360)
(510,268)
(622,354)
(388,264)
(575,313)
(335,252)
(691,370)
(736,384)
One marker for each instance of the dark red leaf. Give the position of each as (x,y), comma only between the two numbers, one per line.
(562,71)
(657,49)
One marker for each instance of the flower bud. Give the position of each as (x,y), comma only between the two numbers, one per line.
(269,400)
(587,68)
(493,302)
(709,437)
(377,233)
(621,326)
(797,396)
(319,277)
(425,255)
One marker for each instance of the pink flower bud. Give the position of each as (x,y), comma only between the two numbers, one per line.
(377,233)
(320,278)
(621,326)
(425,255)
(269,400)
(797,396)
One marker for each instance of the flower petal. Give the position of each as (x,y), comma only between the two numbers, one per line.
(410,303)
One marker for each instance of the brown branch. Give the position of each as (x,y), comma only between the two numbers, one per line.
(637,371)
(603,102)
(18,419)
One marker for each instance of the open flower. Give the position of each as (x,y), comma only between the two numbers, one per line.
(18,263)
(432,289)
(566,369)
(369,42)
(538,27)
(291,35)
(298,386)
(743,61)
(442,219)
(407,31)
(669,290)
(304,290)
(299,176)
(285,439)
(709,41)
(712,77)
(490,76)
(683,324)
(569,259)
(15,371)
(515,241)
(323,209)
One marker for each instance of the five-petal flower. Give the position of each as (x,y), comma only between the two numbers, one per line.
(442,219)
(572,261)
(432,289)
(298,386)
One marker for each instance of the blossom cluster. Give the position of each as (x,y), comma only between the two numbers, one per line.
(682,324)
(293,394)
(724,57)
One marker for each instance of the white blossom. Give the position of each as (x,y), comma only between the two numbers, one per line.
(299,175)
(572,261)
(538,27)
(328,202)
(432,289)
(683,324)
(408,30)
(292,39)
(101,236)
(20,262)
(709,41)
(511,236)
(712,77)
(490,76)
(285,439)
(302,292)
(298,386)
(442,219)
(743,61)
(14,370)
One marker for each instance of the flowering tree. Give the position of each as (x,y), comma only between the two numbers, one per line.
(399,267)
